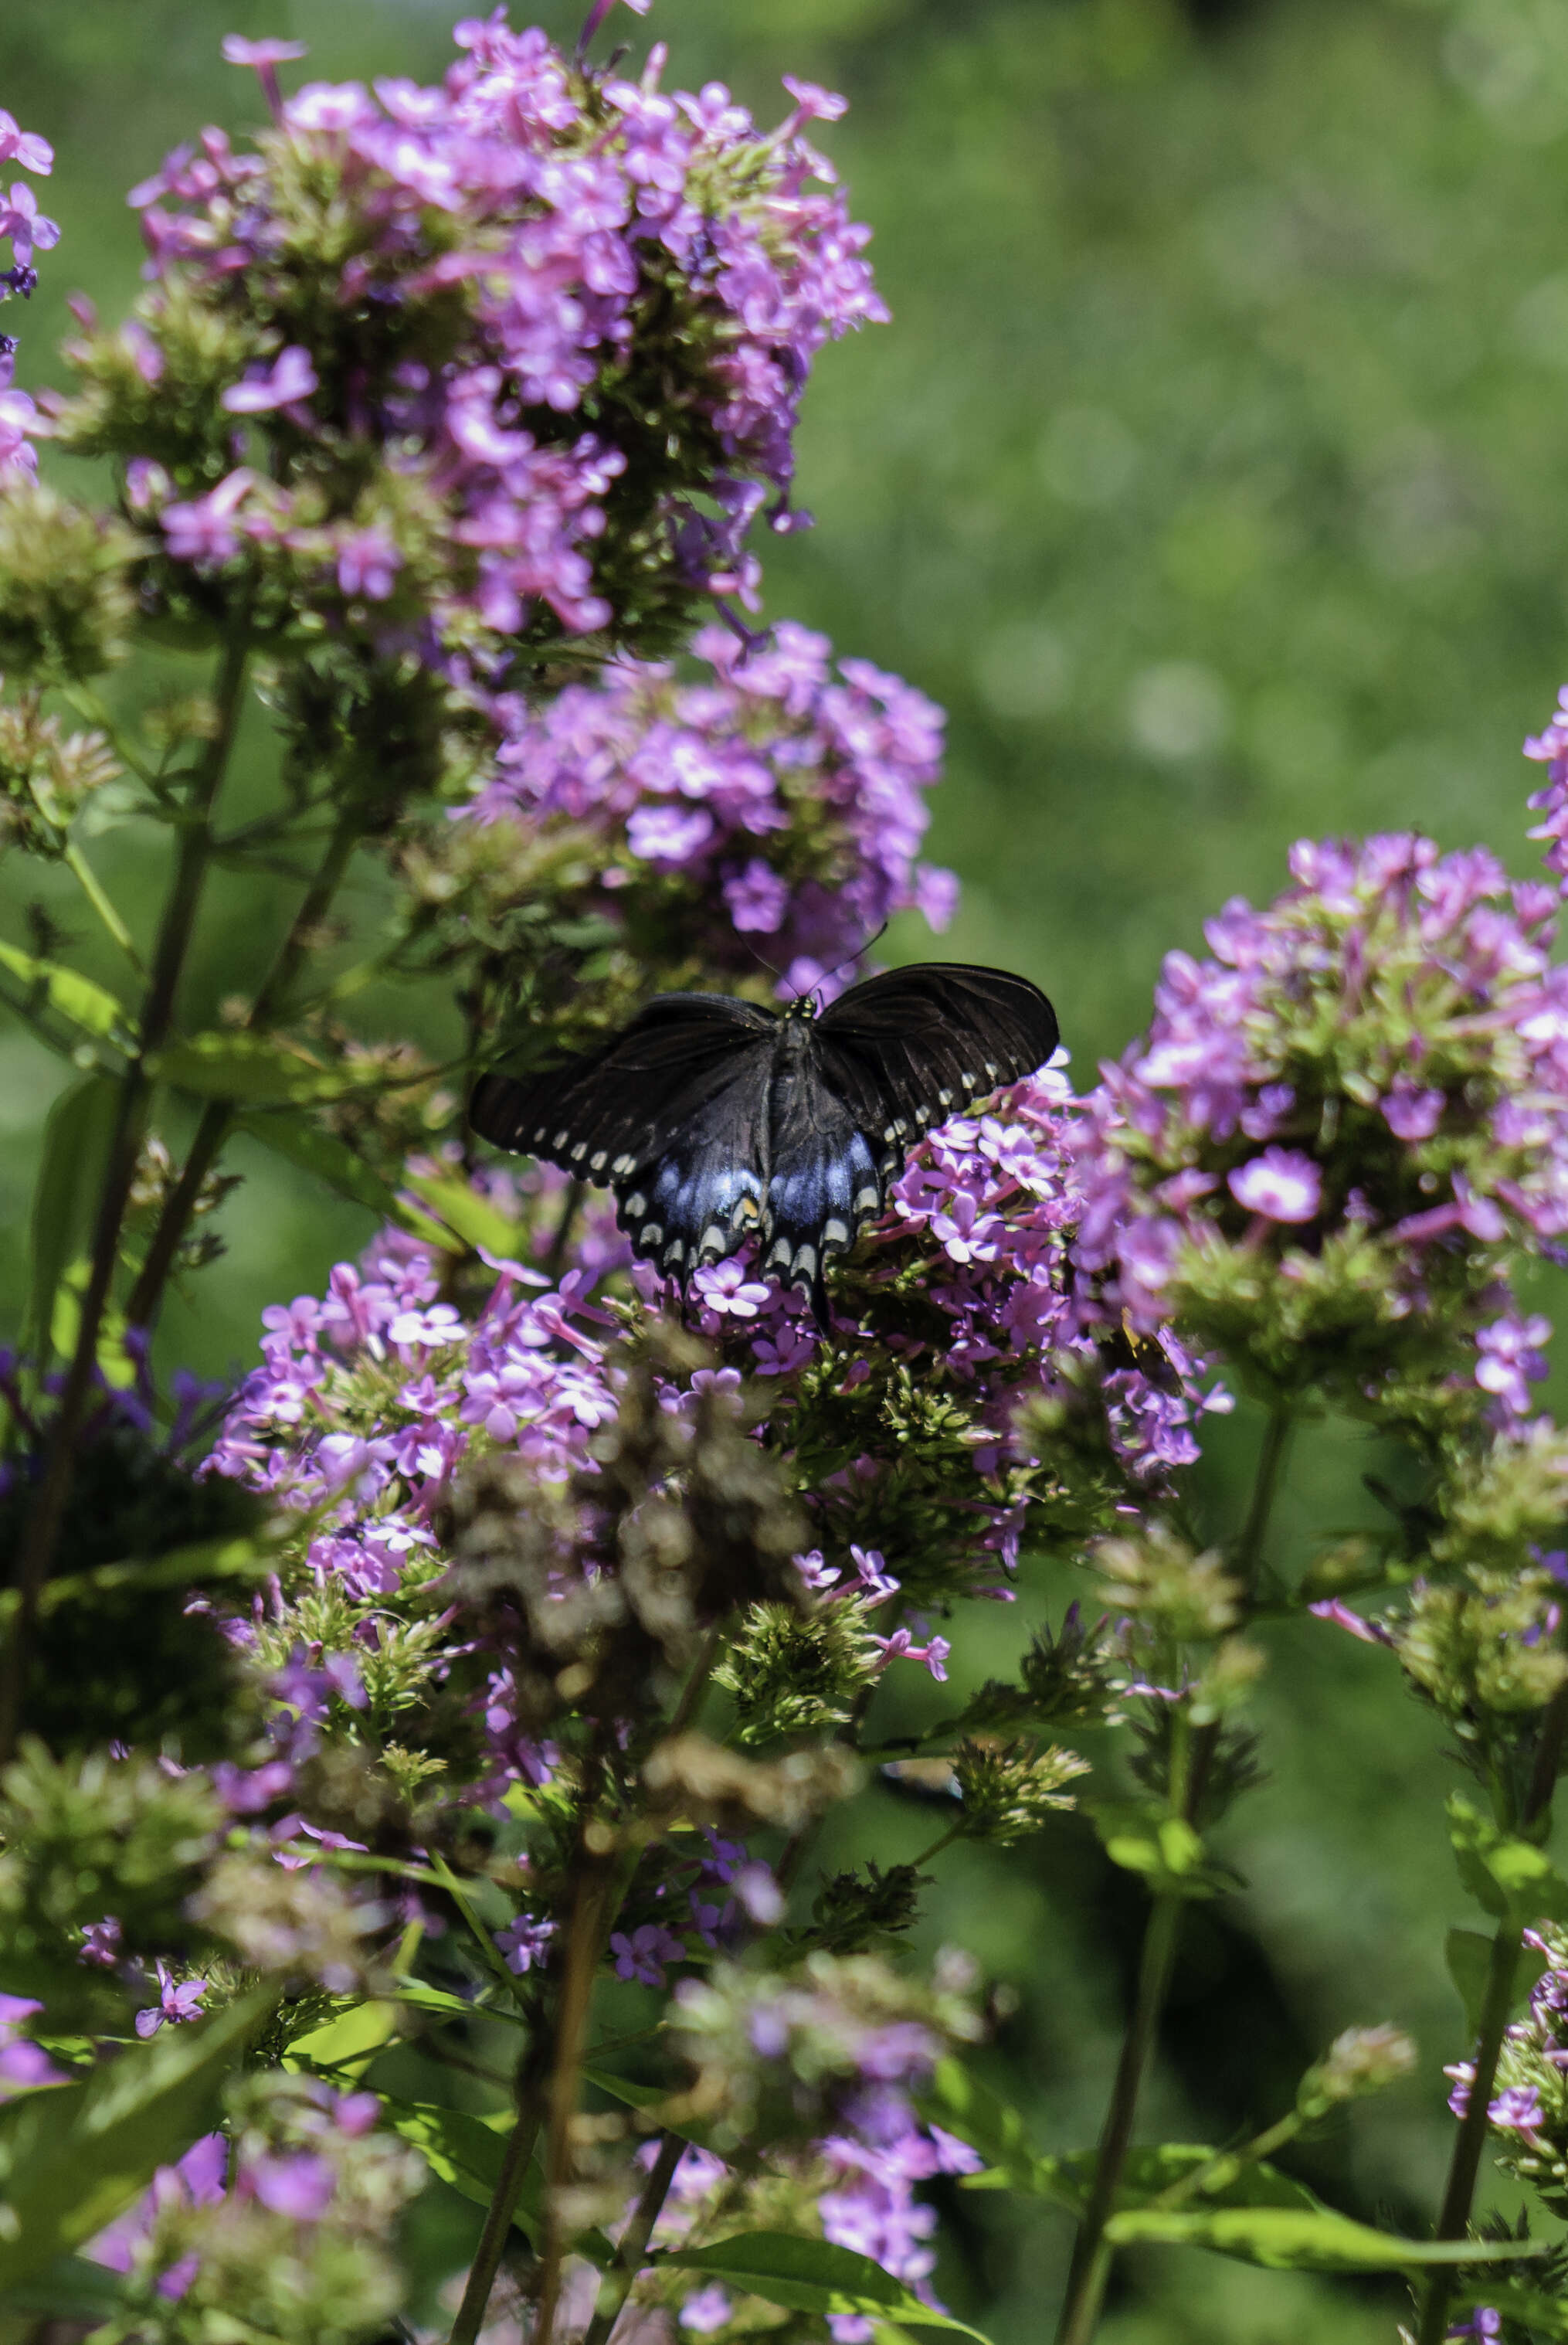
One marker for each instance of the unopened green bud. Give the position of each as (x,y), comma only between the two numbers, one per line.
(1362,2060)
(66,604)
(1159,1578)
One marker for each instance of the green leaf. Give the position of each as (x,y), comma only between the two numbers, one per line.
(1510,1879)
(1468,1953)
(1292,2239)
(474,1218)
(811,2276)
(84,1005)
(71,2289)
(1141,1836)
(1545,2316)
(204,1559)
(294,1136)
(74,2159)
(249,1069)
(348,2043)
(76,1142)
(1148,2172)
(958,2101)
(418,1997)
(467,2153)
(643,2096)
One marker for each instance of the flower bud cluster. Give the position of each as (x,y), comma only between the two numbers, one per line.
(1339,1128)
(457,367)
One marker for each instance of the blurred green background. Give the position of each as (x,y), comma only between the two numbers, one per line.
(1214,474)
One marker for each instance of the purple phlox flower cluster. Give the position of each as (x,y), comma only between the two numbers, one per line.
(642,1953)
(851,2046)
(22,2063)
(29,231)
(790,793)
(531,1372)
(1318,1078)
(1550,748)
(875,2163)
(292,2172)
(197,2179)
(565,213)
(178,2000)
(988,1205)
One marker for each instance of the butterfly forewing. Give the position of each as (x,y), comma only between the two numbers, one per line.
(909,1049)
(588,1113)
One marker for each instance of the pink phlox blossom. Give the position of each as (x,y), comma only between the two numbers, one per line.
(177,2001)
(1369,1632)
(197,2179)
(1282,1184)
(24,2064)
(642,1953)
(296,2183)
(26,225)
(525,1943)
(25,146)
(286,384)
(102,1943)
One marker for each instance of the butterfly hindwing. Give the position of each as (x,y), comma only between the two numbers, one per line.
(700,1186)
(823,1181)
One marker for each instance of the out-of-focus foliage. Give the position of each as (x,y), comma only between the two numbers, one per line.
(1214,474)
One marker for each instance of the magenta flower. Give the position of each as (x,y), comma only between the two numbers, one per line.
(642,1953)
(204,531)
(291,379)
(1282,1184)
(25,146)
(298,2183)
(26,225)
(525,1942)
(177,2003)
(101,1943)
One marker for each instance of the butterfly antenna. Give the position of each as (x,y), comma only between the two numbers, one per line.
(762,961)
(857,953)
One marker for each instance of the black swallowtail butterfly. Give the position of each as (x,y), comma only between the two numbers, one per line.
(715,1121)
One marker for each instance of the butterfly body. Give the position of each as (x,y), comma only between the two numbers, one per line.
(715,1121)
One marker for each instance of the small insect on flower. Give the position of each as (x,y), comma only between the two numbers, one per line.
(715,1121)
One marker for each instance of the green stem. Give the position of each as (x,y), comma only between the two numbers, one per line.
(1453,2220)
(92,887)
(213,1128)
(1226,2163)
(616,2286)
(1190,1762)
(502,2206)
(1502,1969)
(46,1517)
(1092,2256)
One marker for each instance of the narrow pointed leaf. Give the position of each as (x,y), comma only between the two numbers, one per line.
(73,2158)
(1292,2238)
(250,1069)
(84,1005)
(473,1217)
(811,2276)
(76,1140)
(292,1135)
